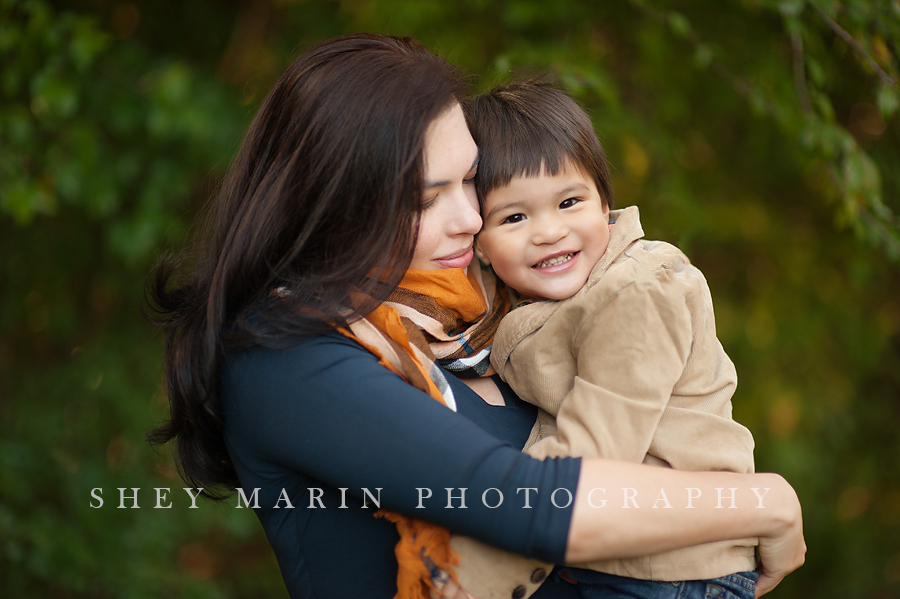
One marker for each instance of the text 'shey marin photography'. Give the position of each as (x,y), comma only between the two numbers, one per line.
(456,498)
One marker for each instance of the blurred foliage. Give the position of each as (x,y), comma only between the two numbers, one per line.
(759,135)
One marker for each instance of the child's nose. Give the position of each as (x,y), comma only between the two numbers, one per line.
(549,231)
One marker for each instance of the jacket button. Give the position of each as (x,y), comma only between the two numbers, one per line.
(538,575)
(518,592)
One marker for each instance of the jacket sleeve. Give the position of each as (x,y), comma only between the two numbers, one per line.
(630,352)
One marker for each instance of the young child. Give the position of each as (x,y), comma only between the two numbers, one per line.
(618,342)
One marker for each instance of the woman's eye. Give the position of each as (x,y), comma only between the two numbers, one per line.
(513,218)
(569,202)
(426,204)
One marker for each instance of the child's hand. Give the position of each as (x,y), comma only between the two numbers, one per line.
(446,588)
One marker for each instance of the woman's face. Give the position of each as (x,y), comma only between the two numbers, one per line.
(450,217)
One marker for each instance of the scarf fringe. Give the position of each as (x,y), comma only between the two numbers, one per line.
(459,315)
(420,543)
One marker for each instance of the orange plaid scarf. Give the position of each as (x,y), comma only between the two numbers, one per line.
(448,316)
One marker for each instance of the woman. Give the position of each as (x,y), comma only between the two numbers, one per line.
(283,358)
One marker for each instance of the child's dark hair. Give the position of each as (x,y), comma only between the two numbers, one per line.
(529,127)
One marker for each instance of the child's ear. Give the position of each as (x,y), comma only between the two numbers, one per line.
(480,254)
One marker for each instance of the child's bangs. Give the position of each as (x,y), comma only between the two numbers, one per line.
(523,153)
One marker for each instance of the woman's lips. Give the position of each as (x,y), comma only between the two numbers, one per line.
(460,259)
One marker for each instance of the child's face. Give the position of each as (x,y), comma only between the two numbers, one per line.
(543,235)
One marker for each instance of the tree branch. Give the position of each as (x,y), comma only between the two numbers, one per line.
(740,86)
(853,44)
(799,74)
(889,240)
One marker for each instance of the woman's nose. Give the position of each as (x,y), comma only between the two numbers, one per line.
(466,217)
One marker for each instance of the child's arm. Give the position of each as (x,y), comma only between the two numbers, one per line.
(629,351)
(652,378)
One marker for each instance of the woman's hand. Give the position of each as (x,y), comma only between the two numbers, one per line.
(784,550)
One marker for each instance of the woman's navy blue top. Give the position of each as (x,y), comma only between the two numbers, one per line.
(312,426)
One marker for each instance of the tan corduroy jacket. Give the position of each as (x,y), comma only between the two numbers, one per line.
(631,369)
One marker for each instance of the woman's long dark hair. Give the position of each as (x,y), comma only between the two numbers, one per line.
(321,202)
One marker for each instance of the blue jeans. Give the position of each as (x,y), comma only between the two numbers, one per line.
(597,585)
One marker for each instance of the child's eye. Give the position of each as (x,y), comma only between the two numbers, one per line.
(513,218)
(569,202)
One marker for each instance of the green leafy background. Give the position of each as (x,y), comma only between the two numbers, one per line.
(761,136)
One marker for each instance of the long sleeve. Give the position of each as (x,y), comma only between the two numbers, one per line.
(325,414)
(630,352)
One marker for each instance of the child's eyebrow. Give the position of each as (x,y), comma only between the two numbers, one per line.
(501,207)
(571,188)
(448,182)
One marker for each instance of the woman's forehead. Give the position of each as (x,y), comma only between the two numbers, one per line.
(450,151)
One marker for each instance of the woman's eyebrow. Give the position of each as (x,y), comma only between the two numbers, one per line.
(448,182)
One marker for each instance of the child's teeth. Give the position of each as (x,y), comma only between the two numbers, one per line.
(555,261)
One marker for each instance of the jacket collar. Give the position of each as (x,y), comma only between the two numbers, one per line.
(530,318)
(626,231)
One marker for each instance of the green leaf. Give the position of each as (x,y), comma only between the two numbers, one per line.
(679,24)
(87,43)
(174,84)
(9,37)
(53,96)
(860,172)
(24,199)
(823,103)
(702,56)
(791,8)
(815,70)
(888,101)
(793,25)
(757,101)
(17,126)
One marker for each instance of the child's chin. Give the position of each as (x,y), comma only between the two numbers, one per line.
(561,292)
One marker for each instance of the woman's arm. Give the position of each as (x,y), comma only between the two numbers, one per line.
(697,514)
(610,530)
(328,410)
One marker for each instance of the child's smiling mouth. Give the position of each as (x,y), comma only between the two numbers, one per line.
(555,260)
